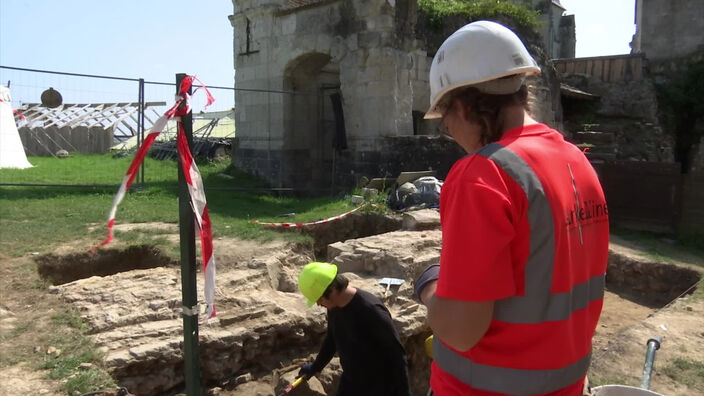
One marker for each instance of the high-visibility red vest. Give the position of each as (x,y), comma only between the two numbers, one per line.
(525,224)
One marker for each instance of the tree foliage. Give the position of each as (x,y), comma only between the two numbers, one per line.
(681,101)
(479,9)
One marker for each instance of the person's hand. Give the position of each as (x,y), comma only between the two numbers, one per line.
(306,370)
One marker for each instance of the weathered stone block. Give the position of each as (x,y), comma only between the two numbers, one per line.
(368,39)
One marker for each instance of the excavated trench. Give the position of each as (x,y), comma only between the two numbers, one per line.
(263,332)
(104,262)
(649,283)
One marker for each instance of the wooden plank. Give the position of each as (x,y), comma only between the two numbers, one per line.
(105,109)
(128,113)
(607,71)
(60,117)
(57,121)
(570,68)
(30,145)
(637,68)
(612,70)
(46,114)
(104,141)
(581,68)
(63,136)
(88,112)
(617,70)
(599,72)
(80,138)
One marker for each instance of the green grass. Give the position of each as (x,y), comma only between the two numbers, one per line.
(69,318)
(686,371)
(664,247)
(76,349)
(669,249)
(17,330)
(698,294)
(143,237)
(86,169)
(39,219)
(522,14)
(596,380)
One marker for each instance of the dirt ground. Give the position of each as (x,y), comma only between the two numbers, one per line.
(623,329)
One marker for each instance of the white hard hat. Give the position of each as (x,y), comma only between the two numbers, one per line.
(483,54)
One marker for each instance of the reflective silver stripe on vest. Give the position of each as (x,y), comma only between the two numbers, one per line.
(537,305)
(507,380)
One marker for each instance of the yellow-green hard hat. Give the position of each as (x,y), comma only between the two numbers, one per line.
(314,279)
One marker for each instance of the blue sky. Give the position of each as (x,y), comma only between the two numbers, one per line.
(604,27)
(150,39)
(155,39)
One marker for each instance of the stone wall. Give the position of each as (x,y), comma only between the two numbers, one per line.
(668,29)
(669,34)
(626,105)
(291,57)
(400,154)
(557,31)
(352,47)
(568,34)
(668,71)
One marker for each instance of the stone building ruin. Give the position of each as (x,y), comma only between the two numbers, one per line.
(661,24)
(669,35)
(622,101)
(328,91)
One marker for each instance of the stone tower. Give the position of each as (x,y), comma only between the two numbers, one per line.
(344,76)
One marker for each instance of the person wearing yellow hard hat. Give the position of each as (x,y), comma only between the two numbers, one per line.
(515,300)
(360,331)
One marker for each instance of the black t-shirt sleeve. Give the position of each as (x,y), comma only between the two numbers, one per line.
(384,335)
(327,351)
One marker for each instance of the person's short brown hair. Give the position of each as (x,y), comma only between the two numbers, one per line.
(339,283)
(485,108)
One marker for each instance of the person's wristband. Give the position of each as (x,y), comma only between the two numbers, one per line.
(430,274)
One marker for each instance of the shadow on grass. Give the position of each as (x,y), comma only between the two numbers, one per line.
(230,194)
(665,247)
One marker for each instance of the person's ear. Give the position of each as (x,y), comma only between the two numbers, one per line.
(462,110)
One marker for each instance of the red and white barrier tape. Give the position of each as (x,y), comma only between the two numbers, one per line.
(291,225)
(193,179)
(16,112)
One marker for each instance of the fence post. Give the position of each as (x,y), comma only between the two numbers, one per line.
(140,127)
(191,352)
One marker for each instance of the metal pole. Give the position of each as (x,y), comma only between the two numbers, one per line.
(653,345)
(191,353)
(140,127)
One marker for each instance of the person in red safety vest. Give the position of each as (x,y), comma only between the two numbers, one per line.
(516,297)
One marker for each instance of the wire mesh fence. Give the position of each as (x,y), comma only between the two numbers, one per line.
(293,137)
(94,123)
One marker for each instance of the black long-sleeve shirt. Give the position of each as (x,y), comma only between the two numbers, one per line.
(371,354)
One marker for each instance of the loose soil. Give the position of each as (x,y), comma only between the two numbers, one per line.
(619,344)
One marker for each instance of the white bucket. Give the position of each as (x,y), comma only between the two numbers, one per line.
(622,390)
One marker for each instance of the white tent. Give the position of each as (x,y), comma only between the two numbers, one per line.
(11,151)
